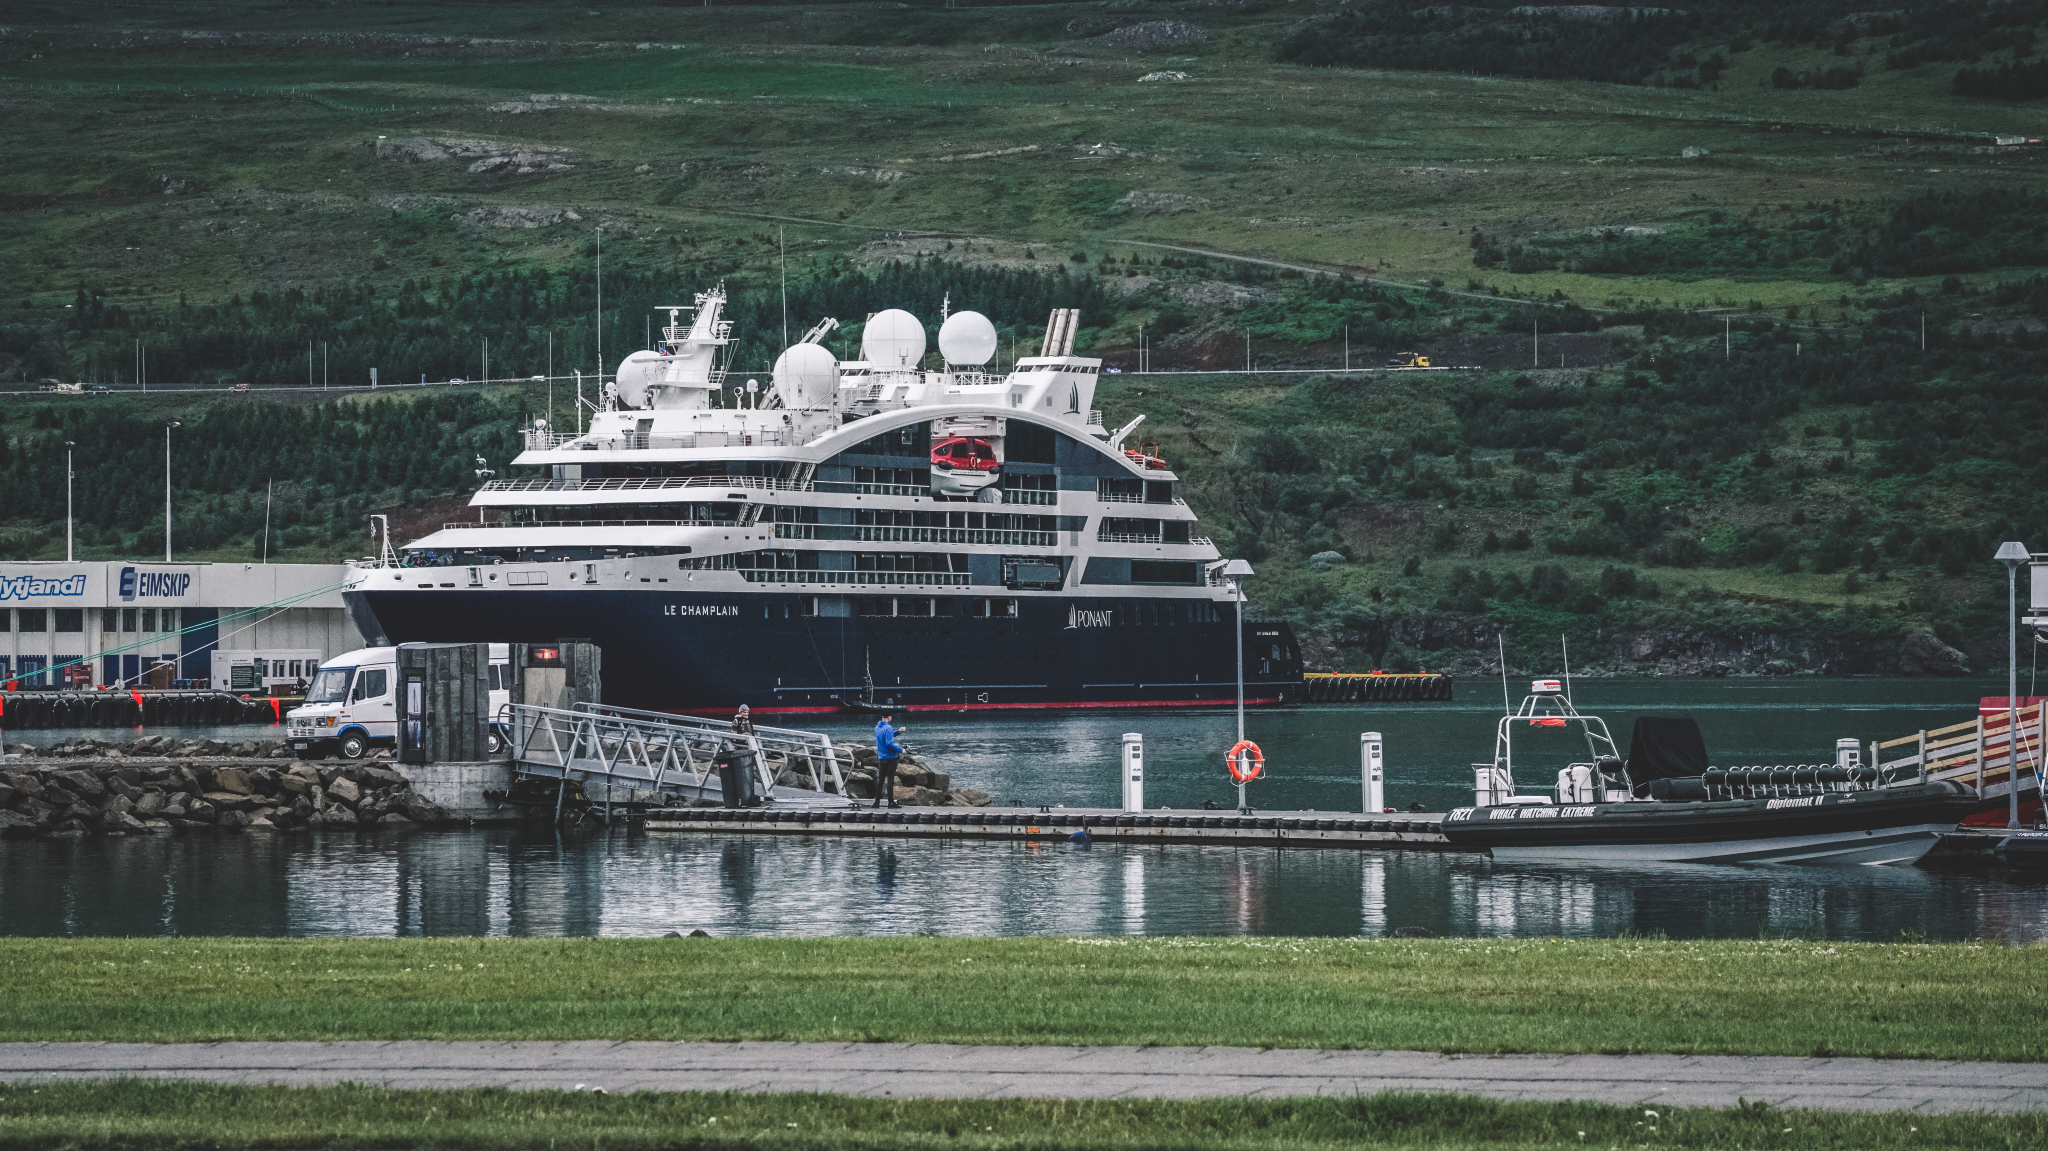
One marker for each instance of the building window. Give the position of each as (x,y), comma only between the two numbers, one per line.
(32,619)
(70,618)
(110,620)
(149,619)
(127,619)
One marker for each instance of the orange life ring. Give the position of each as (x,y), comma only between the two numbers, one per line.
(1258,761)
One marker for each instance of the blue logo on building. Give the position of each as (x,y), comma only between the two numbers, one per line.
(154,584)
(25,587)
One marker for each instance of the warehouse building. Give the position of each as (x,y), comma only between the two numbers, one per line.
(245,627)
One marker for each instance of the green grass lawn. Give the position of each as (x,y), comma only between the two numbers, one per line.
(1726,997)
(183,1115)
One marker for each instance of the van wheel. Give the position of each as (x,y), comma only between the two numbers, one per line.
(354,745)
(493,743)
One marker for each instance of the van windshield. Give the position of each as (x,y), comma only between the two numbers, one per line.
(330,686)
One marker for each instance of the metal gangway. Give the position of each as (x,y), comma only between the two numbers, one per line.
(662,753)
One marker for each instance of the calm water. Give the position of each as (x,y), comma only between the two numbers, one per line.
(518,882)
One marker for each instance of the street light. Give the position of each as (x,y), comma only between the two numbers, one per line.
(167,487)
(1235,571)
(2012,555)
(68,445)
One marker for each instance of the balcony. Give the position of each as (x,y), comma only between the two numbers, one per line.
(1042,499)
(1128,538)
(890,533)
(848,489)
(592,524)
(538,441)
(861,579)
(671,483)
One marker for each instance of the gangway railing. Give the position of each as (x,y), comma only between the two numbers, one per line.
(653,751)
(1977,752)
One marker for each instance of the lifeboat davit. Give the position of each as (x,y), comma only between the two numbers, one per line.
(962,466)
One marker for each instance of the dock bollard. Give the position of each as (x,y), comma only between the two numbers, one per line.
(1372,774)
(1134,771)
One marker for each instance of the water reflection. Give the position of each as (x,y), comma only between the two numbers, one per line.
(504,882)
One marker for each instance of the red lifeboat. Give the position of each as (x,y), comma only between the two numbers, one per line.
(1146,456)
(962,466)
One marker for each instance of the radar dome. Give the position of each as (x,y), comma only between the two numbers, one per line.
(893,341)
(806,376)
(967,338)
(637,373)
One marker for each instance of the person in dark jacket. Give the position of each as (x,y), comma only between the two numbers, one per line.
(887,752)
(742,722)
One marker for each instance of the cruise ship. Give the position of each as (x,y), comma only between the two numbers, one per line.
(850,536)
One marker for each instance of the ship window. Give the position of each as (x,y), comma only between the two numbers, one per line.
(807,605)
(1164,571)
(874,606)
(915,605)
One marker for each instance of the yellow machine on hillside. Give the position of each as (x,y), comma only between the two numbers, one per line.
(1409,360)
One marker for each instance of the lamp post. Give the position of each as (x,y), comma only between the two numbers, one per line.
(68,445)
(1235,571)
(167,487)
(2012,555)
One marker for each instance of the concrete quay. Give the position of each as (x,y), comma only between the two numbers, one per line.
(1322,829)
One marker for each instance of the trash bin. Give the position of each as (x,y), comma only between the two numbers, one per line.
(737,778)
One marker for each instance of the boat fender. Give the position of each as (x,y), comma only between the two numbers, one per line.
(1240,772)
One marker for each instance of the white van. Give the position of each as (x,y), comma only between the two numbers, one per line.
(352,704)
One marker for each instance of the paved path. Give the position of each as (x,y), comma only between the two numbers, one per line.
(939,1071)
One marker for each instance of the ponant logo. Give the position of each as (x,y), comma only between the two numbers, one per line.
(1078,618)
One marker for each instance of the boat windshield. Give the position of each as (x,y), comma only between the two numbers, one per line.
(330,685)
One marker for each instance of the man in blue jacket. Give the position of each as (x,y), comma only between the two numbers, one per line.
(887,752)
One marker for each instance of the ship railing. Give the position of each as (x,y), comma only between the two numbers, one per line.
(688,441)
(647,484)
(857,578)
(1977,752)
(889,533)
(1129,538)
(842,488)
(1202,541)
(1120,497)
(1030,496)
(592,524)
(668,755)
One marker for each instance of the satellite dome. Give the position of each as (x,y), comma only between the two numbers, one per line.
(893,341)
(636,374)
(967,338)
(806,376)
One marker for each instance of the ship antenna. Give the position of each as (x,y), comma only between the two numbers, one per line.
(1506,703)
(1566,643)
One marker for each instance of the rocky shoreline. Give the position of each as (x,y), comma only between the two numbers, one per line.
(160,786)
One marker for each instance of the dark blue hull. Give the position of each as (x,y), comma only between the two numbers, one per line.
(680,651)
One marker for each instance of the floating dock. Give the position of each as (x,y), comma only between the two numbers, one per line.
(1324,829)
(1374,687)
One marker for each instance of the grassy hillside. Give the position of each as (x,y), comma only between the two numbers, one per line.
(1705,434)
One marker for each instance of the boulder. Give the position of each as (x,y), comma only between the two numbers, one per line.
(83,783)
(968,797)
(373,776)
(127,822)
(231,801)
(394,819)
(150,804)
(415,807)
(232,779)
(57,795)
(233,819)
(149,745)
(337,816)
(259,822)
(132,776)
(118,806)
(295,784)
(7,795)
(345,790)
(24,783)
(12,824)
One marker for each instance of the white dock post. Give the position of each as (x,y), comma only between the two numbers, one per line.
(1372,775)
(1134,771)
